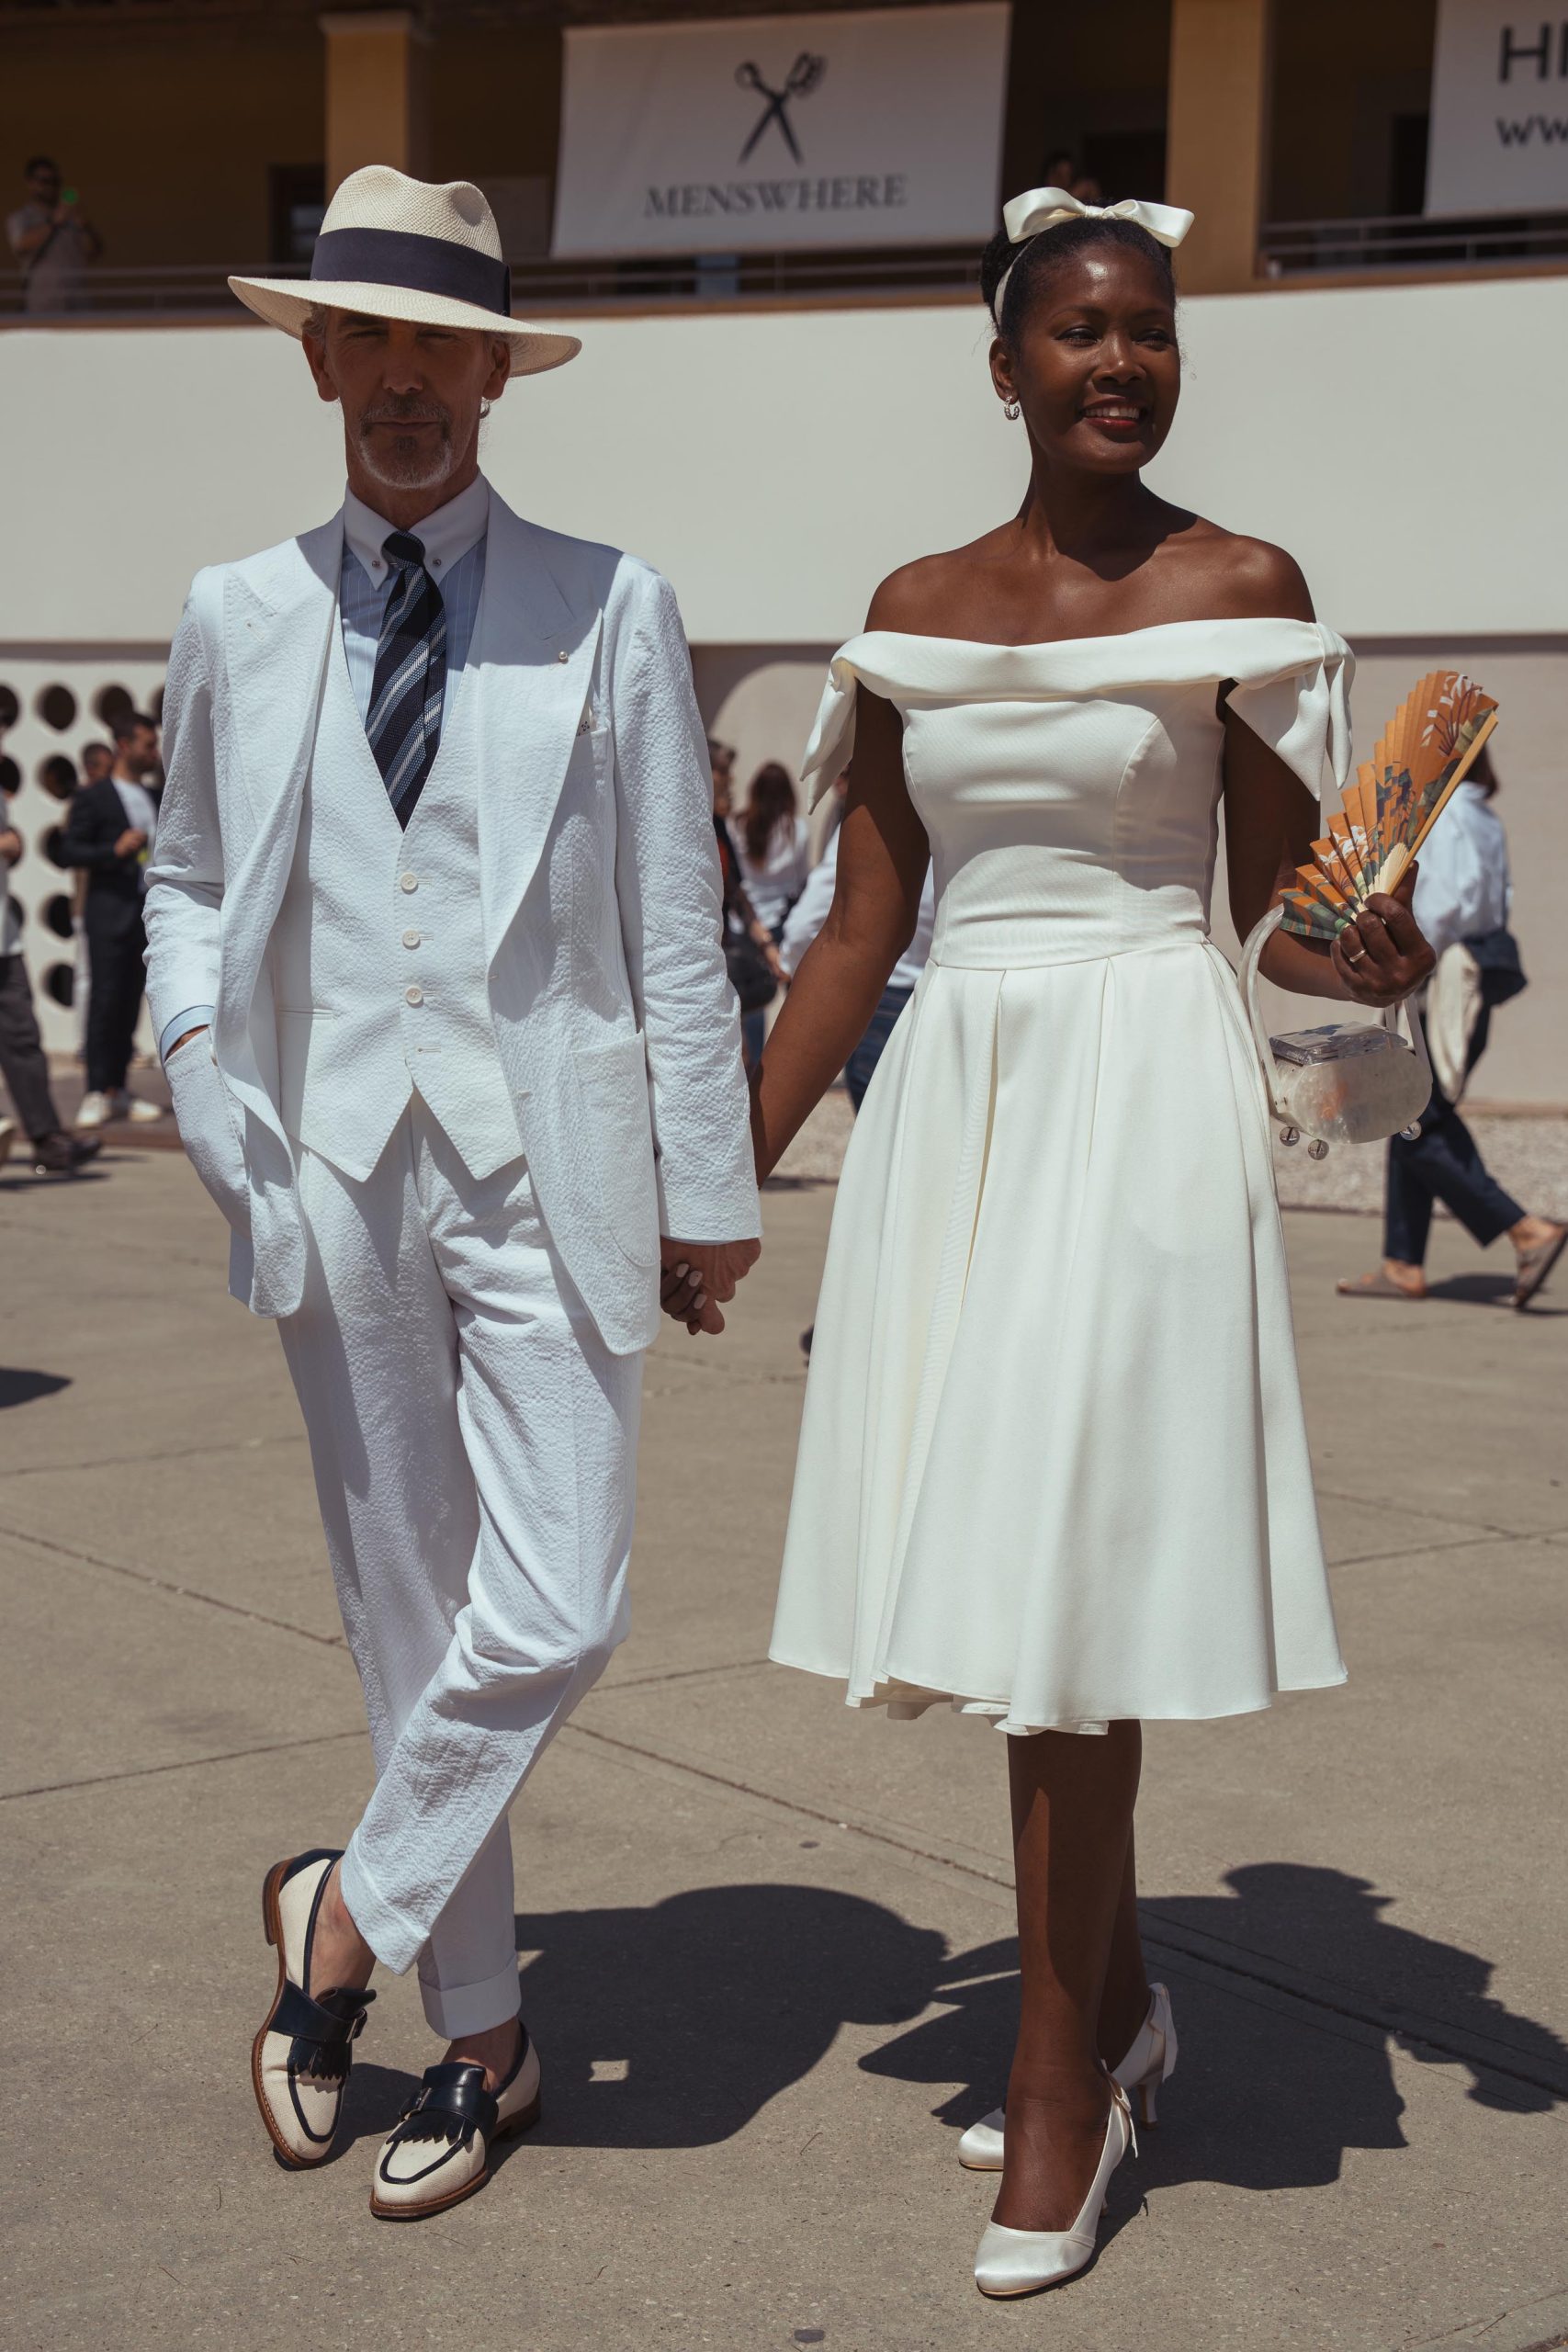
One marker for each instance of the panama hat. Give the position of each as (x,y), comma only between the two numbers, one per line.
(397,248)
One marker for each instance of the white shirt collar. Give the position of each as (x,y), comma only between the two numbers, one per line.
(447,533)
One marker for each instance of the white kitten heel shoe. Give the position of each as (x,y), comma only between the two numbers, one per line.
(300,2058)
(438,2151)
(1019,2262)
(1148,2063)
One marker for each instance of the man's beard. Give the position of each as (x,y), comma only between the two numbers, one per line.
(412,462)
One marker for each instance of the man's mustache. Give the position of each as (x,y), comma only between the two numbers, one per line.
(407,413)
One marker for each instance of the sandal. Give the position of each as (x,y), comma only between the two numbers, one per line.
(1537,1264)
(300,2057)
(1378,1286)
(438,2151)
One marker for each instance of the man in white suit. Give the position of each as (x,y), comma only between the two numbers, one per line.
(434,961)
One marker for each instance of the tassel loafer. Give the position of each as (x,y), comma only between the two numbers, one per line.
(438,2151)
(300,2057)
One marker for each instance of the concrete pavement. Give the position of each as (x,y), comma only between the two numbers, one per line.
(766,1942)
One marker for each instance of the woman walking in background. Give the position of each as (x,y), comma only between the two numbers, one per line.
(1052,1469)
(772,844)
(1462,903)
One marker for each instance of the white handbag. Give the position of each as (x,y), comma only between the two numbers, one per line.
(1346,1083)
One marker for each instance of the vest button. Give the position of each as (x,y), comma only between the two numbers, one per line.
(408,881)
(410,938)
(415,995)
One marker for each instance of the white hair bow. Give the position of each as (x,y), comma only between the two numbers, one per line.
(1028,217)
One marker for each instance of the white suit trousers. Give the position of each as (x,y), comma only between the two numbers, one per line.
(474,1444)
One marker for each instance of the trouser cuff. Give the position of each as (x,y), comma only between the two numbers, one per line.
(397,1942)
(454,2009)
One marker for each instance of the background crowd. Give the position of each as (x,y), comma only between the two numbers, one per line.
(106,842)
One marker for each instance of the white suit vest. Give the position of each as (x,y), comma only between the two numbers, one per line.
(378,964)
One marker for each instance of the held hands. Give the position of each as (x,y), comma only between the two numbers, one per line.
(698,1274)
(1381,955)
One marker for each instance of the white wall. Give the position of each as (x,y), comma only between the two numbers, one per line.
(1403,442)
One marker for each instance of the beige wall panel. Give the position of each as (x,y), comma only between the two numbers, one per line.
(1219,96)
(377,109)
(778,464)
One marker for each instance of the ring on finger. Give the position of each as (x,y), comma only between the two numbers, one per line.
(1359,957)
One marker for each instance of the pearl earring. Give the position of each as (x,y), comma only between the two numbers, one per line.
(1013,411)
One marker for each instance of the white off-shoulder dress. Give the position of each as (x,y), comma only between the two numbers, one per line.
(1052,1467)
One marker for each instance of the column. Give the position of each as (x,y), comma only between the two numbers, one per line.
(1217,137)
(376,96)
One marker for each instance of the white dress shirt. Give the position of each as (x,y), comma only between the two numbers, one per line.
(777,879)
(810,911)
(141,810)
(1462,889)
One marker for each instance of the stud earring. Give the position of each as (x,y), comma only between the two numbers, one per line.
(1013,411)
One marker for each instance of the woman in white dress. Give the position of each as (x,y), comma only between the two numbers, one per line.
(1052,1468)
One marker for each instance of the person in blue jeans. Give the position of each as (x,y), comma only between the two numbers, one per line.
(1463,896)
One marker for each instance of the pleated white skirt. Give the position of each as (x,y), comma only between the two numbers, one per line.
(1052,1467)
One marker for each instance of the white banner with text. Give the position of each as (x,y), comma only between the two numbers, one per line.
(1499,134)
(877,126)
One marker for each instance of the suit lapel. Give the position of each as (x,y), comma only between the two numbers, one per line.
(533,656)
(277,634)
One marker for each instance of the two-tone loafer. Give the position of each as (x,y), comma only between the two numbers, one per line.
(439,2148)
(300,2057)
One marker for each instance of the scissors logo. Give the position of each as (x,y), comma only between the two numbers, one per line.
(802,78)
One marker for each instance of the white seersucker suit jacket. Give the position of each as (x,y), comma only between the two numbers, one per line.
(614,1019)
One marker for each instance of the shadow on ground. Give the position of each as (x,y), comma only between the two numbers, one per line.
(25,1387)
(673,2026)
(1265,2097)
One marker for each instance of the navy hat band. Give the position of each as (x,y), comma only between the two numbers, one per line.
(423,264)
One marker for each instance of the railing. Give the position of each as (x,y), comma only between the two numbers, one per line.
(1289,248)
(198,290)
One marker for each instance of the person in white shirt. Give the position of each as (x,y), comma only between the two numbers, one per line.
(110,835)
(1463,897)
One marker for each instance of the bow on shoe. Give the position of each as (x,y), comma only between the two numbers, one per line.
(1046,207)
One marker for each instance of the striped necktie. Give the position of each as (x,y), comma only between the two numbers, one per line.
(404,722)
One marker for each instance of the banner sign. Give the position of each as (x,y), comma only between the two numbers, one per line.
(1499,135)
(873,126)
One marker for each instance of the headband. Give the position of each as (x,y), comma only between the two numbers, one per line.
(1028,217)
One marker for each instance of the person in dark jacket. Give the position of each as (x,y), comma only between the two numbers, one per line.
(23,1063)
(110,835)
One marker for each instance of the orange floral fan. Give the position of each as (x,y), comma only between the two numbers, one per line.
(1423,755)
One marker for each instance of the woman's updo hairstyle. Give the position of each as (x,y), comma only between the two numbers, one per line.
(1043,257)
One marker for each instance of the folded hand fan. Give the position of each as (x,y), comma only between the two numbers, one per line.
(1423,754)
